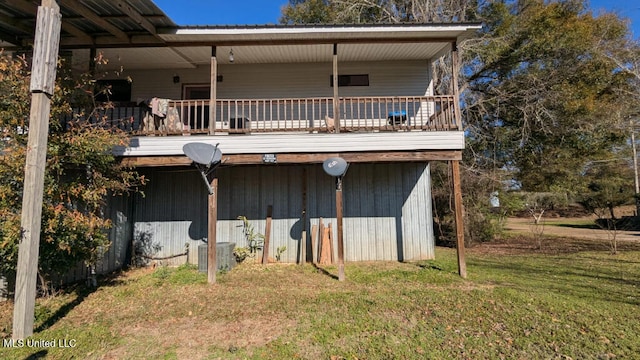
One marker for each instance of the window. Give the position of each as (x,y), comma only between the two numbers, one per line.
(198,92)
(351,80)
(113,90)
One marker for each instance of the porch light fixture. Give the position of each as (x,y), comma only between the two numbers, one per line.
(176,79)
(231,56)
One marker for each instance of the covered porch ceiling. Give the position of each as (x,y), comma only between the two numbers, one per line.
(139,35)
(189,47)
(194,56)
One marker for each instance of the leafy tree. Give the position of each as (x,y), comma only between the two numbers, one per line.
(81,171)
(609,185)
(543,100)
(307,12)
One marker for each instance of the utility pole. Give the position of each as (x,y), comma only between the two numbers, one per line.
(43,76)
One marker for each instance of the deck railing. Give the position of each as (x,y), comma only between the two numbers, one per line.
(397,113)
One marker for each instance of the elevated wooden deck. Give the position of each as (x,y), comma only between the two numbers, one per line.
(297,115)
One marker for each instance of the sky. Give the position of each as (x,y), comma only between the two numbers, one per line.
(251,12)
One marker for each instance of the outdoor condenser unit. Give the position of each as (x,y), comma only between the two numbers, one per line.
(225,260)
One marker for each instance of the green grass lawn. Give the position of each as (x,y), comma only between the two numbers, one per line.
(580,305)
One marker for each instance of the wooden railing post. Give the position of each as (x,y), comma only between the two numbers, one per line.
(336,98)
(213,91)
(454,83)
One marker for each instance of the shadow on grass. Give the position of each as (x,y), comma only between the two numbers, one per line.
(325,272)
(42,354)
(579,226)
(81,291)
(564,276)
(429,267)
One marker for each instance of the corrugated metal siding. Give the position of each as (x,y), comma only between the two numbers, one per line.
(387,209)
(117,254)
(4,288)
(171,214)
(293,80)
(119,211)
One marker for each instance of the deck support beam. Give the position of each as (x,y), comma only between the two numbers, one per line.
(459,216)
(455,167)
(212,214)
(303,158)
(339,215)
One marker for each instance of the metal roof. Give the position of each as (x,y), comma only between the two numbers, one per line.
(87,22)
(140,23)
(344,33)
(137,34)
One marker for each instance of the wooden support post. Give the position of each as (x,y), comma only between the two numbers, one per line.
(213,91)
(320,240)
(212,266)
(303,236)
(336,97)
(340,228)
(314,248)
(25,292)
(267,235)
(459,215)
(43,77)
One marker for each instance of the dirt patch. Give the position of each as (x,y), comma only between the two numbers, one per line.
(580,228)
(191,337)
(577,211)
(554,245)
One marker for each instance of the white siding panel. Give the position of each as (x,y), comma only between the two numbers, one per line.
(291,80)
(297,143)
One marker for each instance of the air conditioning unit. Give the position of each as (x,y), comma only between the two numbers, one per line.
(225,260)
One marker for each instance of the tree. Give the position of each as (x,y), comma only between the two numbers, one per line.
(377,11)
(543,100)
(80,174)
(609,185)
(307,12)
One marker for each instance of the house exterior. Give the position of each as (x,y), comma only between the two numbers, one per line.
(277,101)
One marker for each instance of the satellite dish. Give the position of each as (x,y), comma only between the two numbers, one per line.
(335,166)
(204,156)
(202,153)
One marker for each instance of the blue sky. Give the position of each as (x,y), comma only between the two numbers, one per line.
(249,12)
(222,12)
